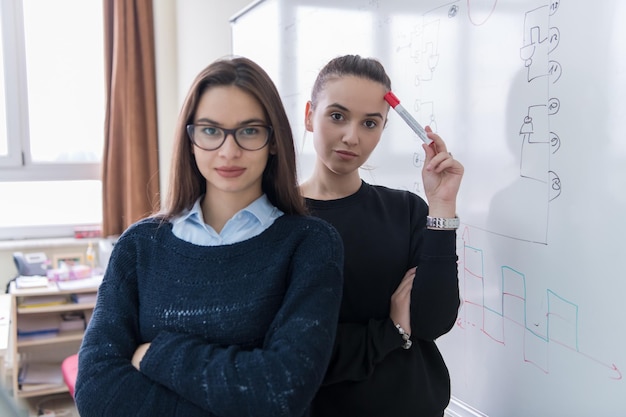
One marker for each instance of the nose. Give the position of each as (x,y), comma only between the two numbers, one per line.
(229,148)
(351,135)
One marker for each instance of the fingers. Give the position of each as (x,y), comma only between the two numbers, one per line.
(440,161)
(436,147)
(438,158)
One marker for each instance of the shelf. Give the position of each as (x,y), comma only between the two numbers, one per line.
(73,286)
(51,348)
(63,337)
(56,308)
(56,389)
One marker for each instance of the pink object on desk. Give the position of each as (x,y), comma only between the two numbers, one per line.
(69,367)
(71,273)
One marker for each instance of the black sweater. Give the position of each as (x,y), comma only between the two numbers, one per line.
(384,234)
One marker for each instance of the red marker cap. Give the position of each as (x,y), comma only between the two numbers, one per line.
(392,99)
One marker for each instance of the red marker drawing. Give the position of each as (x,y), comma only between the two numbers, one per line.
(410,120)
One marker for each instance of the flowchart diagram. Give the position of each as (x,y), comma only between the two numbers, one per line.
(521,211)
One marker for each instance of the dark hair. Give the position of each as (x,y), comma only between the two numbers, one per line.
(368,68)
(279,180)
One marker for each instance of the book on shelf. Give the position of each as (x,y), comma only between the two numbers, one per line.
(38,387)
(86,297)
(38,326)
(74,321)
(43,300)
(34,373)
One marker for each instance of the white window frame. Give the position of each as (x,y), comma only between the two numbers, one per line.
(12,25)
(18,165)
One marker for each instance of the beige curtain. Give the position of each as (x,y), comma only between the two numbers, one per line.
(130,181)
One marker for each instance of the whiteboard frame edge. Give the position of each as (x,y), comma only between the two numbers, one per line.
(458,408)
(244,11)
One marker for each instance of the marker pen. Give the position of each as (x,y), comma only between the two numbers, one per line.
(410,120)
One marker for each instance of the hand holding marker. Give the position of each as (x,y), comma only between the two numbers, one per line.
(410,120)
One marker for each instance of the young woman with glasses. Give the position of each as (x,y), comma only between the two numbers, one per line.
(401,287)
(226,302)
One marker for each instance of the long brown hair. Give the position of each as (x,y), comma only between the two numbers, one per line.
(279,181)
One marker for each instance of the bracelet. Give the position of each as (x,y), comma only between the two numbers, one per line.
(405,336)
(443,223)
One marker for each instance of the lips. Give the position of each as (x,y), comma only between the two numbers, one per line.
(343,154)
(230,172)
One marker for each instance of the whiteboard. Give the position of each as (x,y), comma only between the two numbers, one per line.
(530,97)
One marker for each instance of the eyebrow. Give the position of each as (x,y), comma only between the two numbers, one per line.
(344,108)
(205,120)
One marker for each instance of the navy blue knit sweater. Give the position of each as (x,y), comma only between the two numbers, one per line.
(236,330)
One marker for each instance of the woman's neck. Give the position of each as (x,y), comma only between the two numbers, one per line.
(327,185)
(218,208)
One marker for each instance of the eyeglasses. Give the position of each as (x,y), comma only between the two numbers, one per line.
(210,138)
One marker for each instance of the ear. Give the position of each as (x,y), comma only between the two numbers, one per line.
(308,116)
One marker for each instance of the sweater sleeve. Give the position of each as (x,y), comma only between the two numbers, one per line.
(435,295)
(359,348)
(107,383)
(279,378)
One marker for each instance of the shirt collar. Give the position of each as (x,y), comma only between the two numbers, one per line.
(261,208)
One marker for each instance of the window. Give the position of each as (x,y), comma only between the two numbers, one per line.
(52,110)
(4,145)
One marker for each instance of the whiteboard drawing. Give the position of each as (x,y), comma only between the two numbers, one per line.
(499,309)
(519,208)
(539,41)
(528,95)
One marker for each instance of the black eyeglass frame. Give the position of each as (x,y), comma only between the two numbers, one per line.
(232,132)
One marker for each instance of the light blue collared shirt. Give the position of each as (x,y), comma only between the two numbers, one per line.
(246,223)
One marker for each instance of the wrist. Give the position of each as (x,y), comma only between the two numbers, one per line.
(441,208)
(442,223)
(139,354)
(406,337)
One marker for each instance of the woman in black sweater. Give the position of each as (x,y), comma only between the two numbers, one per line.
(400,274)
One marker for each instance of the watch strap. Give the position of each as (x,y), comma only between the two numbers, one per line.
(442,223)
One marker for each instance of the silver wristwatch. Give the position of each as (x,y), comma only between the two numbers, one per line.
(442,223)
